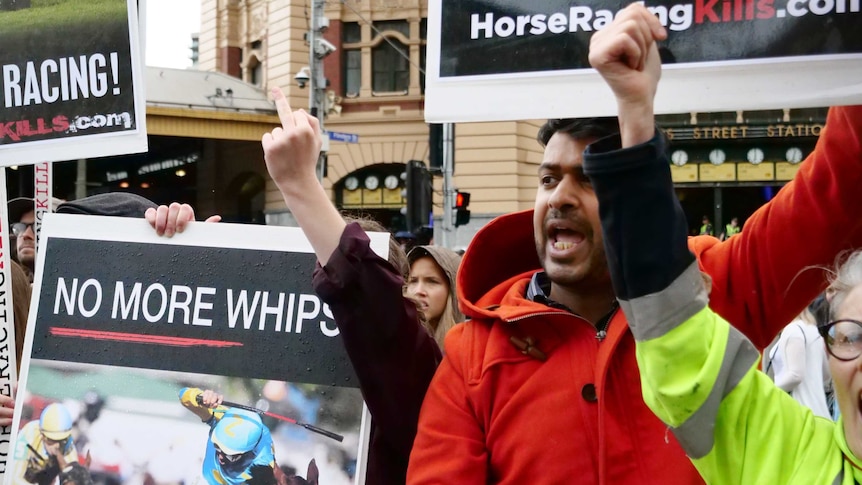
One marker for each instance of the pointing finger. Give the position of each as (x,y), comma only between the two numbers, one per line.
(283,108)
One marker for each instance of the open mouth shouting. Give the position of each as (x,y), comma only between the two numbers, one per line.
(563,239)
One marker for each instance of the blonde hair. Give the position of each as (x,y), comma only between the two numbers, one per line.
(447,261)
(450,317)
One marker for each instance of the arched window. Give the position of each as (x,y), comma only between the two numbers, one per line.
(391,68)
(385,48)
(255,72)
(252,64)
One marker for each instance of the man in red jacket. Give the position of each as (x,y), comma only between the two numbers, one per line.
(541,384)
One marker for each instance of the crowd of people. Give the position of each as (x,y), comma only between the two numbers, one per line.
(589,339)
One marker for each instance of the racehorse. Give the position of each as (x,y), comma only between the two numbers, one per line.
(75,473)
(265,475)
(311,476)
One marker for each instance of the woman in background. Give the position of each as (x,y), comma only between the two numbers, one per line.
(800,364)
(431,284)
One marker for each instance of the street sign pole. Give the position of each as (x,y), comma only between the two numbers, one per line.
(448,226)
(317,80)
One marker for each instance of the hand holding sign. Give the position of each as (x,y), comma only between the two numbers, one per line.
(7,406)
(167,220)
(626,55)
(291,151)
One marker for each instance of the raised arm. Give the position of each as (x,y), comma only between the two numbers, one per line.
(766,275)
(626,56)
(291,152)
(393,355)
(699,375)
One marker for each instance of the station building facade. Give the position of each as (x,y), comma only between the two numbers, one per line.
(205,126)
(725,164)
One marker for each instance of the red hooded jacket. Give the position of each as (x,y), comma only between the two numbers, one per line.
(497,414)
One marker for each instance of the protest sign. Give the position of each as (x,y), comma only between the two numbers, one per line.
(70,81)
(43,194)
(8,359)
(509,59)
(142,325)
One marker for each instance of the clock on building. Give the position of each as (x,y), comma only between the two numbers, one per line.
(755,155)
(717,156)
(794,155)
(351,183)
(372,182)
(390,182)
(679,158)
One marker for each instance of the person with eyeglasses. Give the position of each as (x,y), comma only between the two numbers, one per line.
(239,448)
(699,374)
(22,214)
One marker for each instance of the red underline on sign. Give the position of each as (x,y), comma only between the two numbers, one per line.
(141,338)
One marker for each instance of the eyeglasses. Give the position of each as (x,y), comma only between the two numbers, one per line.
(19,228)
(221,455)
(843,338)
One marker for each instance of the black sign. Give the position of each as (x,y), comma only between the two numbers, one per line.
(69,74)
(222,311)
(480,37)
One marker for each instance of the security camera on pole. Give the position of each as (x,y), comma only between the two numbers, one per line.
(312,75)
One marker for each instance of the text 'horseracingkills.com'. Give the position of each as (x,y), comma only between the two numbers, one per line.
(676,17)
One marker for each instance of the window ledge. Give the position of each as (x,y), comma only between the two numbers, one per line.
(388,94)
(385,98)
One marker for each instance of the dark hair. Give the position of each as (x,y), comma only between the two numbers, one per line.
(579,128)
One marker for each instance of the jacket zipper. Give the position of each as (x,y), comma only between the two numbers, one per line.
(540,314)
(601,332)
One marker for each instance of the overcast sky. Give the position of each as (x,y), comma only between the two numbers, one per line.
(170,24)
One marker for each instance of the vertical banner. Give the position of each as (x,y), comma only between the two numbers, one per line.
(70,80)
(43,183)
(130,334)
(8,359)
(510,59)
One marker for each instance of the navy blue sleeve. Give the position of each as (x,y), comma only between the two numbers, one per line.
(645,229)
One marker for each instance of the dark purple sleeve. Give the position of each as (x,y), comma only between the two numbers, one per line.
(393,355)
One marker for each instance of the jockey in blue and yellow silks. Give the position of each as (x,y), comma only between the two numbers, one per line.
(44,447)
(239,447)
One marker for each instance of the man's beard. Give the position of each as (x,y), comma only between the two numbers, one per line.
(28,261)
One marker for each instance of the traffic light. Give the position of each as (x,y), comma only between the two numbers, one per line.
(435,147)
(462,214)
(418,193)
